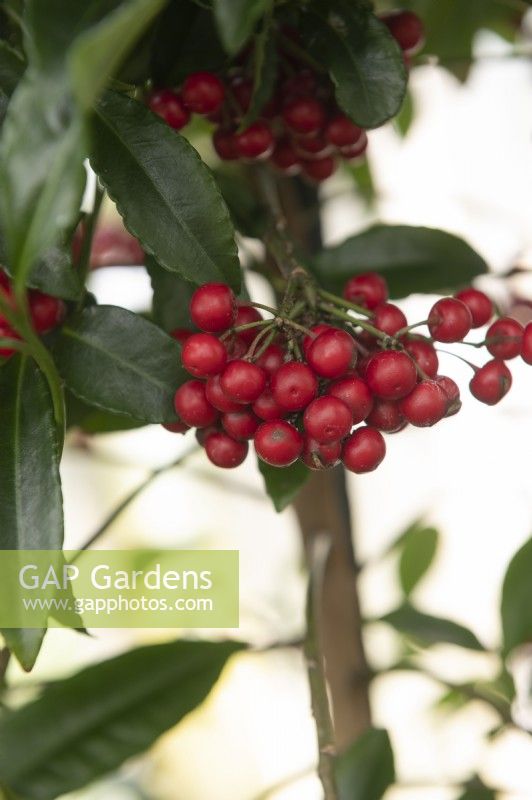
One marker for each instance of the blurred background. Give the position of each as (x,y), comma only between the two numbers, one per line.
(465,166)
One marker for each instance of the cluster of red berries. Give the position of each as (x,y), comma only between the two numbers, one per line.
(326,393)
(300,130)
(46,313)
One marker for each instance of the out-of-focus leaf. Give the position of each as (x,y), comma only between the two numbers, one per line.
(516,601)
(366,770)
(171,297)
(417,554)
(405,117)
(282,485)
(236,20)
(248,215)
(12,66)
(428,629)
(264,73)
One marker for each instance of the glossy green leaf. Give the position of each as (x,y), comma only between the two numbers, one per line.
(171,297)
(366,770)
(422,260)
(516,601)
(236,20)
(12,66)
(118,361)
(31,511)
(99,51)
(428,629)
(87,725)
(95,420)
(55,274)
(283,484)
(364,61)
(417,554)
(247,213)
(167,196)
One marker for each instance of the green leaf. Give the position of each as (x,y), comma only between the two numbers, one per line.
(167,196)
(363,179)
(516,601)
(12,66)
(429,630)
(413,260)
(405,117)
(478,791)
(94,420)
(283,483)
(31,511)
(366,770)
(264,73)
(118,361)
(99,51)
(171,297)
(236,20)
(55,274)
(417,554)
(89,724)
(364,61)
(247,213)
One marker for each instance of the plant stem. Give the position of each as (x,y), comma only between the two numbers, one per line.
(339,301)
(314,659)
(359,323)
(83,265)
(133,495)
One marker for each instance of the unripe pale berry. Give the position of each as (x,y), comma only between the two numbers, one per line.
(507,338)
(203,355)
(293,386)
(332,353)
(213,307)
(425,405)
(327,419)
(491,382)
(278,443)
(363,451)
(479,304)
(391,375)
(243,381)
(368,289)
(450,320)
(224,451)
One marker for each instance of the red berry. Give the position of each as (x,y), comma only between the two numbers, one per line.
(217,397)
(386,416)
(321,327)
(355,150)
(478,303)
(299,85)
(507,336)
(271,359)
(243,381)
(169,106)
(7,332)
(278,443)
(364,450)
(202,434)
(312,148)
(285,158)
(203,355)
(266,407)
(355,393)
(491,382)
(389,319)
(203,93)
(245,315)
(213,307)
(176,427)
(225,144)
(181,335)
(255,142)
(320,456)
(368,289)
(192,406)
(320,169)
(526,349)
(236,347)
(224,451)
(293,386)
(424,355)
(449,320)
(391,375)
(341,132)
(452,393)
(425,405)
(332,353)
(242,89)
(304,115)
(240,424)
(46,311)
(327,419)
(406,28)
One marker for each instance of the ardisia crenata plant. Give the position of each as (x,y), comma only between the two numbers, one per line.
(208,124)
